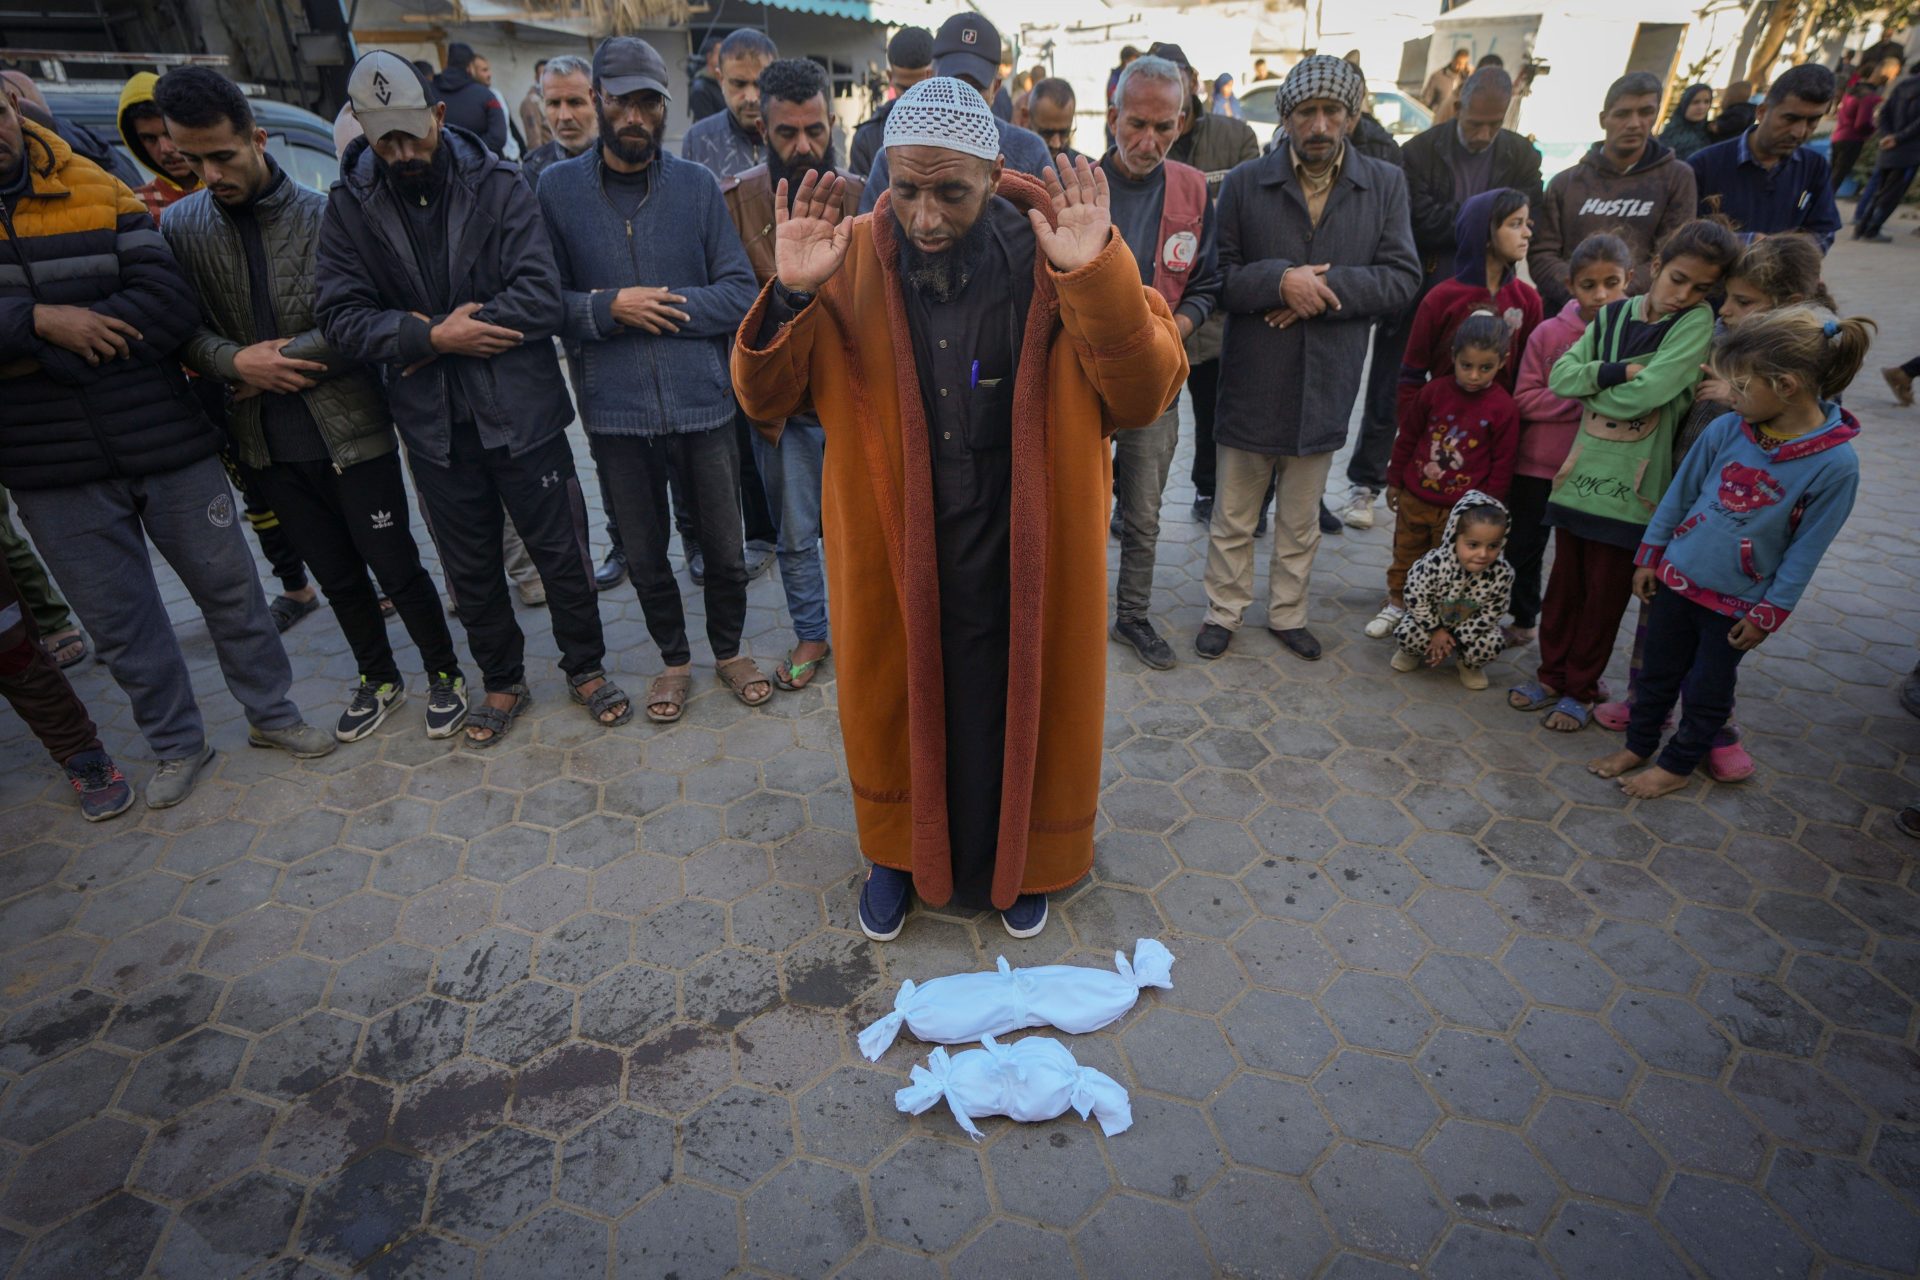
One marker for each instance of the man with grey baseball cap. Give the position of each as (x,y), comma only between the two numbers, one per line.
(967,48)
(434,262)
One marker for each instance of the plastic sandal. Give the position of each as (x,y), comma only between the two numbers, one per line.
(1574,710)
(1537,696)
(69,642)
(496,720)
(787,676)
(740,674)
(286,611)
(601,700)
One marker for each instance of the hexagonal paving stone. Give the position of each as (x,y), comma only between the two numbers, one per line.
(684,1231)
(1760,1015)
(616,1160)
(492,1184)
(562,1089)
(1849,995)
(1374,938)
(1698,1126)
(363,1209)
(1271,1124)
(221,1233)
(1558,973)
(1178,1053)
(483,964)
(1798,1103)
(1596,1150)
(184,1074)
(300,1056)
(164,1011)
(1207,905)
(1053,1172)
(1469,990)
(731,986)
(635,885)
(1670,1034)
(1255,1224)
(1591,1240)
(452,1105)
(1290,957)
(775,917)
(789,1047)
(1281,1033)
(60,1094)
(1844,1211)
(1479,1076)
(71,1172)
(735,1139)
(1376,1012)
(1474,1253)
(581,949)
(448,912)
(825,1199)
(553,1242)
(381,979)
(1378,1201)
(1376,1099)
(1489,1175)
(1180,1157)
(539,901)
(508,853)
(1575,1053)
(1286,889)
(413,1039)
(1136,1236)
(1729,1231)
(521,1021)
(114,1238)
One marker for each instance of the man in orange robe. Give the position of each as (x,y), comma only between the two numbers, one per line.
(969,348)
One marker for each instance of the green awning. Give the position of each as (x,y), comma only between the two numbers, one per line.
(858,10)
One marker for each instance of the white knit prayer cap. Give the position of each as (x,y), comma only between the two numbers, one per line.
(947,113)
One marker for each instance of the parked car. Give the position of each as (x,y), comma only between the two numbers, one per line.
(1392,106)
(299,140)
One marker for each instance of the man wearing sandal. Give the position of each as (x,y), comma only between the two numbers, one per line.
(655,281)
(434,262)
(969,350)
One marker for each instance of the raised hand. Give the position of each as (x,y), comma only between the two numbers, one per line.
(1081,221)
(810,240)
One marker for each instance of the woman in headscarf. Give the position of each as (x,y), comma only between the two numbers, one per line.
(1686,130)
(1224,103)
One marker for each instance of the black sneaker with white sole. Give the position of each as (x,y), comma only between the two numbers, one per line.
(446,705)
(371,705)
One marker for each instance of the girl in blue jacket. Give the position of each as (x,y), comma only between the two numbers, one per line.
(1740,530)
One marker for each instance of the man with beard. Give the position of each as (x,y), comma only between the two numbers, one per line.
(1314,245)
(971,347)
(654,282)
(731,141)
(966,48)
(1161,209)
(793,105)
(1050,111)
(310,431)
(566,99)
(434,262)
(1767,180)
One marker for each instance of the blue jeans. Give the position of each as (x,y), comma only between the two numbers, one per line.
(93,537)
(791,473)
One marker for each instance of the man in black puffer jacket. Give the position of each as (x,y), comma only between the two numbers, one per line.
(470,104)
(103,446)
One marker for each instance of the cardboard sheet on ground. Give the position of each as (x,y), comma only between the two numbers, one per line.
(1035,1079)
(963,1007)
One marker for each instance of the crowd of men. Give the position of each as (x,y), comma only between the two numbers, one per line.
(991,362)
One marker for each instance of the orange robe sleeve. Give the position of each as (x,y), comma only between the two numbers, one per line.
(775,382)
(1124,336)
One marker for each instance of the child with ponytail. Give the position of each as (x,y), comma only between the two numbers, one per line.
(1741,529)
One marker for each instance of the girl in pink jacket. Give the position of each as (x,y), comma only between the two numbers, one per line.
(1597,274)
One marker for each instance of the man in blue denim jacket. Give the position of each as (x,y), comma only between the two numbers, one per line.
(654,282)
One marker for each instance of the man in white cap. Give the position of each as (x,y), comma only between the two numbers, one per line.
(435,263)
(967,48)
(1315,244)
(968,350)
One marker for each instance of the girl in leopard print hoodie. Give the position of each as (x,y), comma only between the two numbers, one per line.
(1457,593)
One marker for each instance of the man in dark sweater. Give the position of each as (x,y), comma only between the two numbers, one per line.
(471,375)
(909,61)
(310,431)
(1161,209)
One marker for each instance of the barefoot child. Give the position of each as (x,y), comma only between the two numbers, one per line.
(1597,273)
(1772,273)
(1457,592)
(1633,370)
(1740,532)
(1458,434)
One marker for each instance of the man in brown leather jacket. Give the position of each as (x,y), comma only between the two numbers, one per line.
(799,134)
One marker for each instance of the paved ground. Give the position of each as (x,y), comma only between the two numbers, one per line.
(585,1005)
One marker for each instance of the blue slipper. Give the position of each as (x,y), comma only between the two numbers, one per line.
(1573,709)
(1536,694)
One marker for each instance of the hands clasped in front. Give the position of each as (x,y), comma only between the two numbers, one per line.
(1304,294)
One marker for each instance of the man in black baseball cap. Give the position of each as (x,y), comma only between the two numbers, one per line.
(967,47)
(625,64)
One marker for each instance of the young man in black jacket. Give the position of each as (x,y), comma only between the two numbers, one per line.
(434,262)
(470,104)
(310,431)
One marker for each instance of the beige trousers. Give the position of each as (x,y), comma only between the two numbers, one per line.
(1240,482)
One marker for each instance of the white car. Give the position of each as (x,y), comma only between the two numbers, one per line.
(1392,106)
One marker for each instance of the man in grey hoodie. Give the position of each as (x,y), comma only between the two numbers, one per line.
(1629,184)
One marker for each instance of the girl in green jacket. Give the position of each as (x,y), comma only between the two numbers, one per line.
(1634,372)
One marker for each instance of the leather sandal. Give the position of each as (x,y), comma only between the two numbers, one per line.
(667,690)
(496,720)
(601,700)
(740,674)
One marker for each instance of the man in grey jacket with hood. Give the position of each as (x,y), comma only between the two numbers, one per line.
(1629,184)
(434,262)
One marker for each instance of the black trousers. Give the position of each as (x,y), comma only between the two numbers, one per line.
(707,466)
(1843,156)
(1686,648)
(1527,539)
(541,492)
(343,524)
(37,689)
(1891,185)
(1203,384)
(1379,421)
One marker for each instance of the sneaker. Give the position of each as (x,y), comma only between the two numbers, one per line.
(757,556)
(884,901)
(1730,763)
(371,705)
(1404,661)
(1203,508)
(446,705)
(533,593)
(103,789)
(1146,642)
(1472,677)
(1260,525)
(1212,641)
(611,573)
(697,567)
(1358,513)
(1908,820)
(1027,916)
(1329,522)
(1385,621)
(301,741)
(173,781)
